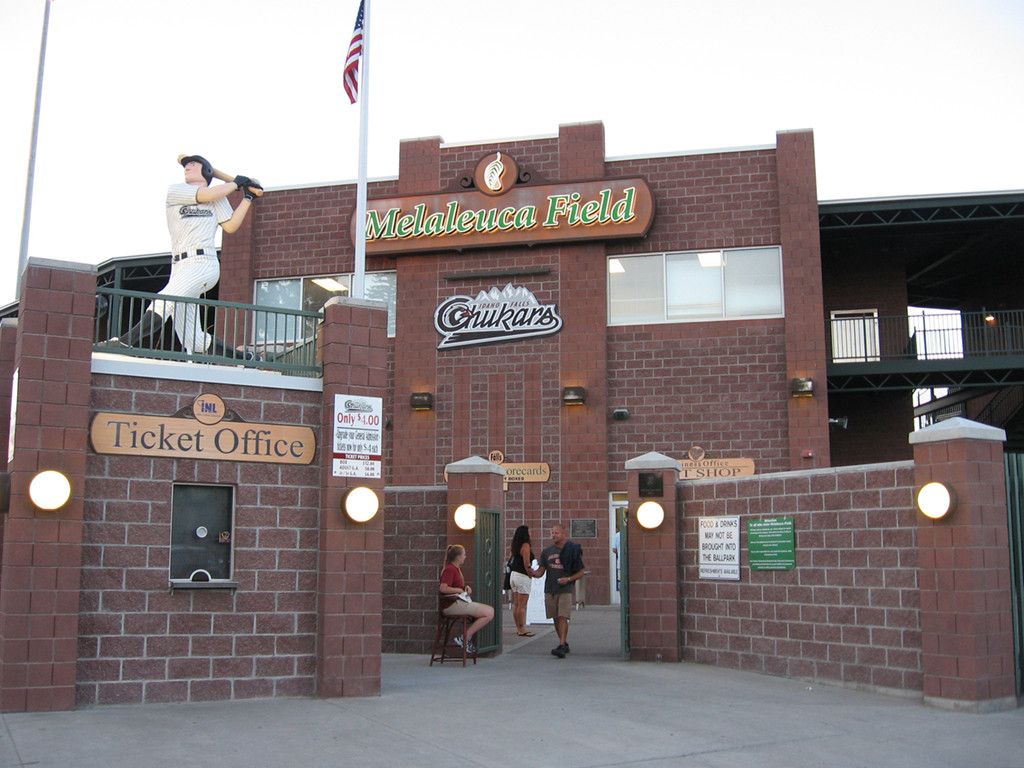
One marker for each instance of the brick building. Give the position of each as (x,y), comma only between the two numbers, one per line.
(560,314)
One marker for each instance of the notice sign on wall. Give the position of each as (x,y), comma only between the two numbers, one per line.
(358,425)
(719,539)
(771,544)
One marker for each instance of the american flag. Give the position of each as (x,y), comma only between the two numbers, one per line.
(355,53)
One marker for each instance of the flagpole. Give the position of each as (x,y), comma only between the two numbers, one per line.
(27,218)
(358,278)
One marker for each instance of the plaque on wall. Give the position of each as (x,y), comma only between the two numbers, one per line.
(583,529)
(652,485)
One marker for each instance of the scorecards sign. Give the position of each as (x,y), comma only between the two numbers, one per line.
(719,539)
(358,425)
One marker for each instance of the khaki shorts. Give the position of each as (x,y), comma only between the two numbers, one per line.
(462,608)
(521,583)
(558,606)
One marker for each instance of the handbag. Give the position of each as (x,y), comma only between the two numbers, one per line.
(508,575)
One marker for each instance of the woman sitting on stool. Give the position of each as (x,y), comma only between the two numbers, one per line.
(452,586)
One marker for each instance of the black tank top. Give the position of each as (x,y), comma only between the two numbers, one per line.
(518,566)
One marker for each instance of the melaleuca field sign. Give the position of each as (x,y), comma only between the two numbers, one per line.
(501,211)
(496,315)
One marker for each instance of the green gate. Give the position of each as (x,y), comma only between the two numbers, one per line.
(624,578)
(1015,509)
(487,564)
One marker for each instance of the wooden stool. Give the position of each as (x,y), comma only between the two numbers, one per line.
(444,648)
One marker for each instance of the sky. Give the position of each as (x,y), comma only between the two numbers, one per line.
(905,97)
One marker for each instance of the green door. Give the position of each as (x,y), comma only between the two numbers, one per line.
(488,569)
(1015,509)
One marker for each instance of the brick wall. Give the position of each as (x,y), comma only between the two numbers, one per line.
(138,641)
(849,611)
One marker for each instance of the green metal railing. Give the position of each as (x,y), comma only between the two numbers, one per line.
(936,336)
(216,332)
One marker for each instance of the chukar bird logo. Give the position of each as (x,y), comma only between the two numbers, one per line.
(493,173)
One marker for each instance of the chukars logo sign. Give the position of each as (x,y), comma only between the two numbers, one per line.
(496,315)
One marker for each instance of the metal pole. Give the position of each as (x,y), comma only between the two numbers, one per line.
(358,277)
(26,221)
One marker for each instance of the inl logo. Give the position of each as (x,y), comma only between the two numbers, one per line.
(207,407)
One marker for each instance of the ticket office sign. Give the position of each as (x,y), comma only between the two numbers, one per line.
(358,430)
(719,541)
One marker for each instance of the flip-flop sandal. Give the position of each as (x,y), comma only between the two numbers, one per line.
(525,634)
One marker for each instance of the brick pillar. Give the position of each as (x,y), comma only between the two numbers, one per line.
(964,570)
(655,628)
(583,362)
(351,561)
(236,255)
(804,298)
(479,482)
(40,578)
(415,455)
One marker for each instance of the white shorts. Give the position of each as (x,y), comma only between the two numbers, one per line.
(521,583)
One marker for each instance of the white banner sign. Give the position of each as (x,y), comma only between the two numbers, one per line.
(719,539)
(358,426)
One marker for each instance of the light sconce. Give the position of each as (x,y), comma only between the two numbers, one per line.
(801,387)
(465,517)
(936,500)
(574,395)
(361,504)
(650,515)
(50,490)
(421,401)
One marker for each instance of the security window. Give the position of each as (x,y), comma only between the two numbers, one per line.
(201,534)
(695,286)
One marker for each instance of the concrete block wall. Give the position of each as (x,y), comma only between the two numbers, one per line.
(141,642)
(850,611)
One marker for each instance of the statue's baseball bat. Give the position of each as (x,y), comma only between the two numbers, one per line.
(218,174)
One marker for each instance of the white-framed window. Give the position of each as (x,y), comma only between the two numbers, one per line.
(695,286)
(854,335)
(312,292)
(202,521)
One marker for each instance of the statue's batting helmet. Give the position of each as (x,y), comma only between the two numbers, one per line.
(207,165)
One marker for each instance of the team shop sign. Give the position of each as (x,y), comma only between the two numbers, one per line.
(502,212)
(508,314)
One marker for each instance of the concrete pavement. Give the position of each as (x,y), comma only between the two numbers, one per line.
(527,708)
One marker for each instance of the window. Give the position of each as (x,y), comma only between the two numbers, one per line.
(311,293)
(201,526)
(854,336)
(693,286)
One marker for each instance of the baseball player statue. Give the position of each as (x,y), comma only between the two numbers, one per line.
(194,211)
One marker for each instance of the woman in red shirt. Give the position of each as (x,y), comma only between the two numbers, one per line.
(452,585)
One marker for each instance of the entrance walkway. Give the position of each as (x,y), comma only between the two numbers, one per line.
(589,710)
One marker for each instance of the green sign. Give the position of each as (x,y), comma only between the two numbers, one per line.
(771,544)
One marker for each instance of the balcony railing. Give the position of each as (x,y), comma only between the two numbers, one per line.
(937,336)
(207,331)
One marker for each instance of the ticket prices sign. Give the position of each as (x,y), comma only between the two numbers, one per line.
(358,430)
(719,539)
(771,544)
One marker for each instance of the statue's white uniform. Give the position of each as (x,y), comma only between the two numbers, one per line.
(193,227)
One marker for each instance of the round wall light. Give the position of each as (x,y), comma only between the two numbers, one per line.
(361,504)
(935,500)
(650,514)
(50,490)
(465,517)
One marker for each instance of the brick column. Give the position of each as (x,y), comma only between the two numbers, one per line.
(804,297)
(237,253)
(40,579)
(474,481)
(351,561)
(655,628)
(964,570)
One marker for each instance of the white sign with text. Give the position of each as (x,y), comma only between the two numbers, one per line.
(358,426)
(719,539)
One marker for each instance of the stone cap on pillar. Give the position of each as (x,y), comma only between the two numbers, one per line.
(957,429)
(652,460)
(474,464)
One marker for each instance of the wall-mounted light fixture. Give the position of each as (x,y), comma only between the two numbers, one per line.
(421,401)
(801,387)
(361,504)
(465,517)
(620,414)
(839,421)
(650,515)
(574,395)
(50,490)
(936,500)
